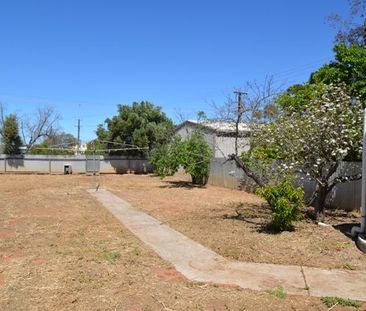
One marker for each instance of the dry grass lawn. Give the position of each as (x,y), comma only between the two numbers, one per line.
(61,250)
(209,216)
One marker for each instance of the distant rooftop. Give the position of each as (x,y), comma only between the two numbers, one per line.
(218,125)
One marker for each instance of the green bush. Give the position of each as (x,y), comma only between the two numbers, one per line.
(167,158)
(192,154)
(285,201)
(197,158)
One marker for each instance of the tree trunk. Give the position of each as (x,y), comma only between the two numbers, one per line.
(199,180)
(320,203)
(195,180)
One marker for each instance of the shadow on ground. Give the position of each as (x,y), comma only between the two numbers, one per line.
(346,228)
(181,184)
(258,215)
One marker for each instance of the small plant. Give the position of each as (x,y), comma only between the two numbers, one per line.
(278,292)
(285,201)
(112,256)
(332,301)
(136,252)
(350,266)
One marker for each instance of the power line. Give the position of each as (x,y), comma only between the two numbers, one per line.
(116,143)
(80,102)
(104,150)
(299,68)
(122,149)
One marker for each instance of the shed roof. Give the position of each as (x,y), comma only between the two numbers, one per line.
(218,126)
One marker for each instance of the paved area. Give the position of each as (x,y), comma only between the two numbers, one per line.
(198,263)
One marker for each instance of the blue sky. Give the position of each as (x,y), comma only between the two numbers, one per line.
(85,57)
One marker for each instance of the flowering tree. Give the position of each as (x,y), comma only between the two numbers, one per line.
(312,141)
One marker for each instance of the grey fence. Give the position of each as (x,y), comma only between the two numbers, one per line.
(60,164)
(92,163)
(346,196)
(224,174)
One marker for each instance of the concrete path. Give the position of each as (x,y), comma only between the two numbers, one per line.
(198,263)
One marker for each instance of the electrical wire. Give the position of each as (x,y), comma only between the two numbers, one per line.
(116,143)
(104,150)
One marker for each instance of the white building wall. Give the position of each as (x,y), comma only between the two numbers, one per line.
(221,146)
(225,145)
(188,129)
(185,131)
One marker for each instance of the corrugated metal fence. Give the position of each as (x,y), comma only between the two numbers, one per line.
(53,164)
(346,195)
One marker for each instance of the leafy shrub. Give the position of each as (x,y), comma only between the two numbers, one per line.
(285,201)
(165,158)
(192,154)
(197,158)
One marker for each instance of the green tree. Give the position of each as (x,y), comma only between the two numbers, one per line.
(319,122)
(192,154)
(137,129)
(61,139)
(349,67)
(57,143)
(47,149)
(297,96)
(11,139)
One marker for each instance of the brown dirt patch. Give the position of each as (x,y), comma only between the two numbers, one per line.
(12,256)
(39,261)
(69,253)
(169,275)
(6,233)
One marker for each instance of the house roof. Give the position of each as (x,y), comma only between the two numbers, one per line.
(217,126)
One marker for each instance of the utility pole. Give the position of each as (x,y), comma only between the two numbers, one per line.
(78,146)
(240,112)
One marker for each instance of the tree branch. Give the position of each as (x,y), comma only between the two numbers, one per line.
(40,127)
(244,166)
(341,179)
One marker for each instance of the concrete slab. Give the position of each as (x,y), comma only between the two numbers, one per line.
(339,283)
(199,263)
